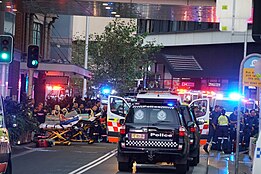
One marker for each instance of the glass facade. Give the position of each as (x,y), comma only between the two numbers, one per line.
(37,27)
(164,26)
(9,25)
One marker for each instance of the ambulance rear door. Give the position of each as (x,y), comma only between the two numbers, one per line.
(117,110)
(202,113)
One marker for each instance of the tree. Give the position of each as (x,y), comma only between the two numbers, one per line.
(119,56)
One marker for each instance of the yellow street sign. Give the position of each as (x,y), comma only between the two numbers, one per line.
(250,79)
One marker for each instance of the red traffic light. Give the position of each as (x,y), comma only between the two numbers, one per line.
(5,42)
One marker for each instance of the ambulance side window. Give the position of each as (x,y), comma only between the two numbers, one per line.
(200,108)
(119,107)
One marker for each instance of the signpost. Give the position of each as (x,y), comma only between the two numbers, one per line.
(257,155)
(246,76)
(233,16)
(249,76)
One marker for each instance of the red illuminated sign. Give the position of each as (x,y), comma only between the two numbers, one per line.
(188,84)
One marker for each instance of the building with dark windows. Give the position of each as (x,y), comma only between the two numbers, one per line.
(197,56)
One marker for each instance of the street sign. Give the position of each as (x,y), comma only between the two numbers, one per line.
(249,76)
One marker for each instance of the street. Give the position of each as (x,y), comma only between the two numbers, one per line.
(100,158)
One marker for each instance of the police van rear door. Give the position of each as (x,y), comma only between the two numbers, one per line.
(153,127)
(163,127)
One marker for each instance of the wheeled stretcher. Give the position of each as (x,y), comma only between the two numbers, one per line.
(72,128)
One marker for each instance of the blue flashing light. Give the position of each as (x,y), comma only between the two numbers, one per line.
(235,96)
(170,104)
(106,91)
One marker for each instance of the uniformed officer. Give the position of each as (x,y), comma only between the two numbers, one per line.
(222,131)
(212,129)
(251,127)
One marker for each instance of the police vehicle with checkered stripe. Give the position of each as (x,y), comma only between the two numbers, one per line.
(153,132)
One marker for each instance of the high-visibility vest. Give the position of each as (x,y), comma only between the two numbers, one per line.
(223,120)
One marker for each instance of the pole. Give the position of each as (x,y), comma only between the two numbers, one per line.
(4,68)
(84,91)
(30,83)
(240,90)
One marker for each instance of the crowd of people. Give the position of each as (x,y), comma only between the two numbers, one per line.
(88,107)
(69,104)
(223,129)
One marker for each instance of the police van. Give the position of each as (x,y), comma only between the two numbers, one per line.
(5,150)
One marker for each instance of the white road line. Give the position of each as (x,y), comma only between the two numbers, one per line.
(23,153)
(96,164)
(111,153)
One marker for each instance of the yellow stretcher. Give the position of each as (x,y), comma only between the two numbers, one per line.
(73,129)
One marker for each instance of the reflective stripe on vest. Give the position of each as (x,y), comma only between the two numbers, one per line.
(223,120)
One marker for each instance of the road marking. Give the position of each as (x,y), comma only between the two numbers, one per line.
(23,153)
(94,163)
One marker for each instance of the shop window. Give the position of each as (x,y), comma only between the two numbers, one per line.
(37,34)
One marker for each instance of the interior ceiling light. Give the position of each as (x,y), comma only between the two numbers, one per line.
(8,6)
(117,16)
(1,1)
(105,4)
(15,10)
(113,12)
(107,8)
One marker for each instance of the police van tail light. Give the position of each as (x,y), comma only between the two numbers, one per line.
(122,130)
(193,129)
(182,131)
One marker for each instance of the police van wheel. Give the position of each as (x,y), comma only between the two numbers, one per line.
(181,168)
(124,166)
(9,167)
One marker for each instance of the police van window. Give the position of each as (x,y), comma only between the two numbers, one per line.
(153,115)
(162,115)
(200,108)
(119,107)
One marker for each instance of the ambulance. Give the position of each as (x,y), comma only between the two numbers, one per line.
(118,108)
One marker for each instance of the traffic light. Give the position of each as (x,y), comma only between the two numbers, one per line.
(256,30)
(33,56)
(6,49)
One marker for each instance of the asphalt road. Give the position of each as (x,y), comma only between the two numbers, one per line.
(100,158)
(81,158)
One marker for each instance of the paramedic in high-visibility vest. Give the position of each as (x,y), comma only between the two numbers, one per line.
(222,132)
(212,129)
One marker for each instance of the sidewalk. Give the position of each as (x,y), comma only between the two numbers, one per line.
(220,163)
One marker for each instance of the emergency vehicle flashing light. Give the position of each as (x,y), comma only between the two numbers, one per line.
(170,104)
(55,88)
(219,96)
(235,96)
(106,90)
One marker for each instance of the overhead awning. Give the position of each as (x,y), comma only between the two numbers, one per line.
(68,69)
(205,61)
(180,10)
(182,63)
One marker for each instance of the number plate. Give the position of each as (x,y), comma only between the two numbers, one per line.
(138,136)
